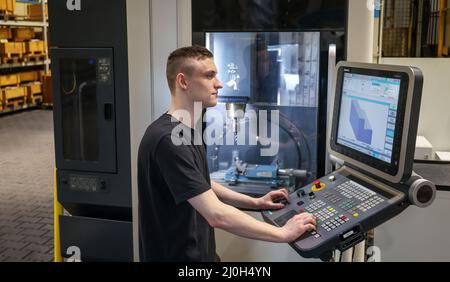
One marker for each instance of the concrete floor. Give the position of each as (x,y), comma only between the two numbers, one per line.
(26,186)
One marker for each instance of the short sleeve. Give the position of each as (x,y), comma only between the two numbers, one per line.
(179,170)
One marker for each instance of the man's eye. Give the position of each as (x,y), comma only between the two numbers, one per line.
(210,76)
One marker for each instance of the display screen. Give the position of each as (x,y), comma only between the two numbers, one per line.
(368,114)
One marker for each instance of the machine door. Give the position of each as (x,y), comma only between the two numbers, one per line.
(84,119)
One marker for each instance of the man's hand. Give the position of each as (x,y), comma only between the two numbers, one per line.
(270,201)
(298,225)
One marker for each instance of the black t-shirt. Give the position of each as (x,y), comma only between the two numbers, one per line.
(168,175)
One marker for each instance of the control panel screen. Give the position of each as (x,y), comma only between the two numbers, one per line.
(368,114)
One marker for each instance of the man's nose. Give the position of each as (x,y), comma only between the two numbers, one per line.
(218,84)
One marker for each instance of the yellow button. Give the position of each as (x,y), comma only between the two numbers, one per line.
(356,214)
(314,188)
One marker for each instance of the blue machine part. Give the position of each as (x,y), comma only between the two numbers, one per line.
(262,171)
(257,174)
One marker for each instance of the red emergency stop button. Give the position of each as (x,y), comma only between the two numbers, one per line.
(317,184)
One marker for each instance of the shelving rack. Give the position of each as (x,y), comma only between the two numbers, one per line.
(15,67)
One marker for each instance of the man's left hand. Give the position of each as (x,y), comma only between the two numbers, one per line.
(271,201)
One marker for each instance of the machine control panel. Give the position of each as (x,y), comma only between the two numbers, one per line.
(340,205)
(374,126)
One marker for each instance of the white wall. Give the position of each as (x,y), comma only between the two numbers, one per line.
(139,67)
(184,23)
(171,28)
(164,40)
(434,121)
(360,31)
(152,35)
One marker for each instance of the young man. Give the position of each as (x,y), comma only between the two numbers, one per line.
(179,206)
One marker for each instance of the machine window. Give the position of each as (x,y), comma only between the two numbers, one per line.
(80,115)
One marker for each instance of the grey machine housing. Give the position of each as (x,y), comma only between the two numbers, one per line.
(99,195)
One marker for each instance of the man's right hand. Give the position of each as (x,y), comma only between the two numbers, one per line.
(298,225)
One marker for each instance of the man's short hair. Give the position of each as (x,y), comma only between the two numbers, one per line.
(178,62)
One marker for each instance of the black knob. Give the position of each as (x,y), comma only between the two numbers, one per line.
(301,193)
(312,195)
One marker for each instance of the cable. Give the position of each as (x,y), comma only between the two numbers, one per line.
(74,82)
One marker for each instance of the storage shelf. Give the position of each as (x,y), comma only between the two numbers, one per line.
(19,65)
(31,20)
(23,23)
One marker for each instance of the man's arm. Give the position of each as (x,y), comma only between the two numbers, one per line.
(226,217)
(242,201)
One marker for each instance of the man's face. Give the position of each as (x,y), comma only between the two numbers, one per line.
(203,84)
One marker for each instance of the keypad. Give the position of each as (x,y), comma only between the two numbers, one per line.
(335,222)
(314,206)
(331,197)
(351,189)
(315,234)
(347,205)
(325,213)
(370,203)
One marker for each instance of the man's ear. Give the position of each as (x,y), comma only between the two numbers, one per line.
(181,81)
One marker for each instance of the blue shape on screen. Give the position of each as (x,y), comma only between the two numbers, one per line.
(360,123)
(390,133)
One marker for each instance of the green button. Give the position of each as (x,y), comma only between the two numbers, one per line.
(319,221)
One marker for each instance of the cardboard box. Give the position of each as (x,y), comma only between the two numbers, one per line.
(33,88)
(12,48)
(29,76)
(5,33)
(6,80)
(35,47)
(8,6)
(21,34)
(35,11)
(14,93)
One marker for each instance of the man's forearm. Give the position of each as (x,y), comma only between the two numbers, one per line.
(233,198)
(239,223)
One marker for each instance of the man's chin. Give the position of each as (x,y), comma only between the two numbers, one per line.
(210,104)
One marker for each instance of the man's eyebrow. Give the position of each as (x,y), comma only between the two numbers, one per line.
(211,72)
